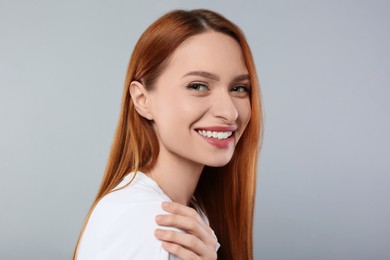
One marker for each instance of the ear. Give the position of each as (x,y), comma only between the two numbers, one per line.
(140,98)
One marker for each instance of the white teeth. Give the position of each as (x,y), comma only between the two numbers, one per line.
(214,134)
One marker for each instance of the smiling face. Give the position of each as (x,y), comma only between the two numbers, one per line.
(200,104)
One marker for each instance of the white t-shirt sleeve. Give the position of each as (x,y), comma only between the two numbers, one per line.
(127,234)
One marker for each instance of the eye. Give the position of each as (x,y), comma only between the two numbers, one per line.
(241,89)
(198,87)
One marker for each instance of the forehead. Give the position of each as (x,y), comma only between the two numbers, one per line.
(210,51)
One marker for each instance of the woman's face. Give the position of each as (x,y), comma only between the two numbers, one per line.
(200,104)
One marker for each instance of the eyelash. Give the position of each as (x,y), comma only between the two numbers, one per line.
(244,87)
(196,86)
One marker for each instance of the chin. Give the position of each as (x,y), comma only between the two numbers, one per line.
(218,163)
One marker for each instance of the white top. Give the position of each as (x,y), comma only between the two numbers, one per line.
(122,224)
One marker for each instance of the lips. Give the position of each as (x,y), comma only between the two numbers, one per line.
(218,136)
(215,134)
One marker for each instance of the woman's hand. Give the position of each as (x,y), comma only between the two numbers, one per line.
(198,243)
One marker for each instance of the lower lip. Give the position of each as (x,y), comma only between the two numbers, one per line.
(219,143)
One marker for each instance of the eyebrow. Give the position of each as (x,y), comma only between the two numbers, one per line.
(212,76)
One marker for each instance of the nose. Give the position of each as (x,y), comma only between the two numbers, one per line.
(224,108)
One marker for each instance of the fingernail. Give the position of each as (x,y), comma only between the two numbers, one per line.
(158,232)
(165,203)
(166,245)
(159,218)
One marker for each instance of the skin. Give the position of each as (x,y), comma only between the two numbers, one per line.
(182,102)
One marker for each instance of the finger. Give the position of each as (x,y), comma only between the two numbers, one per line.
(188,224)
(179,251)
(179,209)
(188,241)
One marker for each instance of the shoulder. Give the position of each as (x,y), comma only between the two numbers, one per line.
(133,202)
(122,224)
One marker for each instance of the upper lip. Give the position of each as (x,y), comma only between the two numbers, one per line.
(230,128)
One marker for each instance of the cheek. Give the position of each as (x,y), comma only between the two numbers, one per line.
(245,111)
(164,106)
(176,113)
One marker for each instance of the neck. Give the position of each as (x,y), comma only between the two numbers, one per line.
(177,177)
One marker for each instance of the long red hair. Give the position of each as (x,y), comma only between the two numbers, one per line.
(226,194)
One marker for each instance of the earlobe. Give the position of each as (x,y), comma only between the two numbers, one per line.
(140,98)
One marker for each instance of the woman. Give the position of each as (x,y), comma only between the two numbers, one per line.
(182,168)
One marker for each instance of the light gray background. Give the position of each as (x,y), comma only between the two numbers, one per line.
(323,190)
